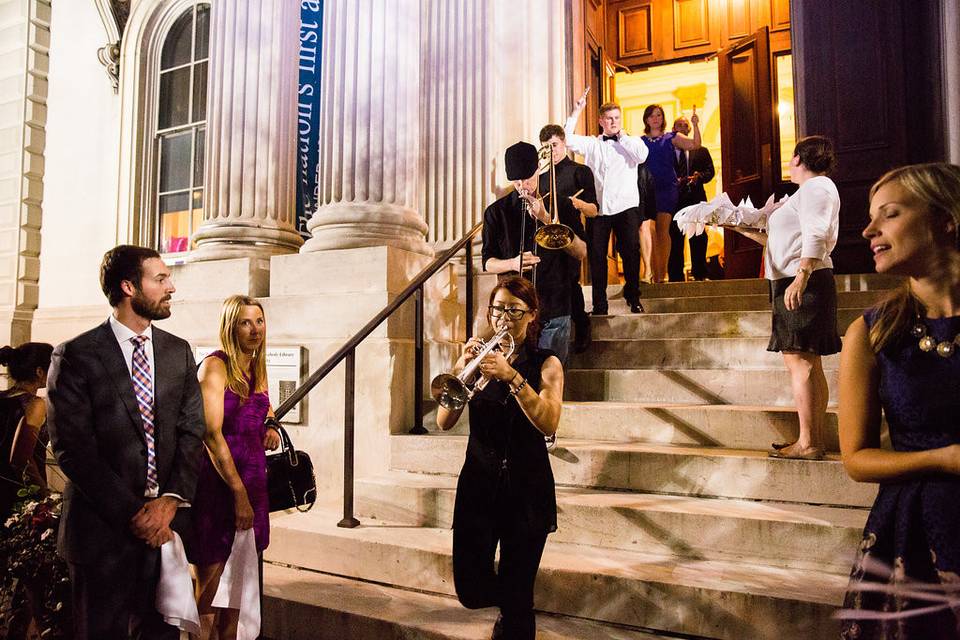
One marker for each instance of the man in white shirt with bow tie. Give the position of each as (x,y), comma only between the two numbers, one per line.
(613,157)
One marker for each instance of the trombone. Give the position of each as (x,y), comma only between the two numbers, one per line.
(554,235)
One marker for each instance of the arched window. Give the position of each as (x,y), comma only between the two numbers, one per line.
(181,129)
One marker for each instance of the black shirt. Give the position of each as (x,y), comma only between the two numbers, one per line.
(571,177)
(501,239)
(506,463)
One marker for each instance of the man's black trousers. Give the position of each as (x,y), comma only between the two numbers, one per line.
(626,228)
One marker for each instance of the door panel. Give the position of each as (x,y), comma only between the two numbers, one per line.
(749,148)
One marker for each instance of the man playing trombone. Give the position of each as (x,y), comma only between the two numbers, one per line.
(509,227)
(576,196)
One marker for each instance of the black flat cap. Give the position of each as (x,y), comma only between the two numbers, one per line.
(521,161)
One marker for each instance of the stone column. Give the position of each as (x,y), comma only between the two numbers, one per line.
(23,117)
(368,173)
(251,131)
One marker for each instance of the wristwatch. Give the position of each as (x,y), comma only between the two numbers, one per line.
(804,271)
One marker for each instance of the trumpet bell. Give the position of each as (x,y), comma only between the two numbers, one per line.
(450,392)
(554,236)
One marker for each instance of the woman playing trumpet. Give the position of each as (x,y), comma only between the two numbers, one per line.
(505,494)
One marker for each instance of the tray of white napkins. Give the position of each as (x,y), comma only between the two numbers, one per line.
(722,212)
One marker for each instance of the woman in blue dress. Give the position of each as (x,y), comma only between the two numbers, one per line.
(903,357)
(663,148)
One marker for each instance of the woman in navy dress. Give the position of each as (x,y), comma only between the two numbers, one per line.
(505,494)
(662,162)
(903,357)
(232,488)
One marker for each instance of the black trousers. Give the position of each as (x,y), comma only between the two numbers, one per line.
(113,598)
(510,585)
(698,255)
(626,228)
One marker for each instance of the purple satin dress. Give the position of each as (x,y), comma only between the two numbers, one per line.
(212,512)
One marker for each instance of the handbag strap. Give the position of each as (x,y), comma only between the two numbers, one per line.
(286,446)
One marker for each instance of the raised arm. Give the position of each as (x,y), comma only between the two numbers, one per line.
(681,141)
(584,145)
(863,458)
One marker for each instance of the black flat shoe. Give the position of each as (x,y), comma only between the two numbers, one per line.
(636,307)
(602,311)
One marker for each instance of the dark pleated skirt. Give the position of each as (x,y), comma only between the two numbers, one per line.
(812,327)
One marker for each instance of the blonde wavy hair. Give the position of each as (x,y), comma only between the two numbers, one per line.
(935,188)
(236,377)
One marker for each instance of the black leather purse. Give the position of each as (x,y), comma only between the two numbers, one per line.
(290,480)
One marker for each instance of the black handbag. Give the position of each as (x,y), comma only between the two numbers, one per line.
(290,480)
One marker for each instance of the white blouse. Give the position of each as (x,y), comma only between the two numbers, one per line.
(806,226)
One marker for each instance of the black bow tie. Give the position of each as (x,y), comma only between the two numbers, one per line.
(615,138)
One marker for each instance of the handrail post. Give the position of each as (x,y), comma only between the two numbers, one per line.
(469,289)
(349,393)
(418,428)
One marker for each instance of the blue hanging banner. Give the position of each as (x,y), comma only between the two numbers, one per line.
(308,110)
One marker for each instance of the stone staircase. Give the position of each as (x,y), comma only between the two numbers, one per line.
(673,522)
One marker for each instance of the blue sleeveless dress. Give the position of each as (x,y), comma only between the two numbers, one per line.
(913,530)
(662,163)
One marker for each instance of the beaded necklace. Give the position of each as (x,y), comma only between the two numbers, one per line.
(927,342)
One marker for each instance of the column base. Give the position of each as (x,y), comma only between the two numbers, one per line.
(219,240)
(351,225)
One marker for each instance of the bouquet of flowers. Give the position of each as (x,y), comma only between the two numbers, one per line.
(721,211)
(34,580)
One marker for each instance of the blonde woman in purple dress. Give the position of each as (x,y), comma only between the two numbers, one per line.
(232,489)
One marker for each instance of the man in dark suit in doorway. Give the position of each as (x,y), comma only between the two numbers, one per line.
(126,424)
(694,169)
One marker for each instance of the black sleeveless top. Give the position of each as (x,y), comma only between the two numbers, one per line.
(506,465)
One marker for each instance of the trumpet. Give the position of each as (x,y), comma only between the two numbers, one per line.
(554,235)
(454,392)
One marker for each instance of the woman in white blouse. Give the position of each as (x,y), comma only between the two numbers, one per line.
(801,233)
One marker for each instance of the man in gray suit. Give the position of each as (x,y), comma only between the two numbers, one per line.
(126,424)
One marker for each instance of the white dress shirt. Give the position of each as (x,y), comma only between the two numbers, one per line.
(806,226)
(614,164)
(124,335)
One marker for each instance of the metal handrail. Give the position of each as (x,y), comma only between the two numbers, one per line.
(348,352)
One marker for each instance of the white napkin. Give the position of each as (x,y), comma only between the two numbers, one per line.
(240,585)
(175,601)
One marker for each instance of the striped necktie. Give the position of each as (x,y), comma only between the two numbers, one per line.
(143,388)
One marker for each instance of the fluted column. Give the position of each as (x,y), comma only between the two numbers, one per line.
(368,172)
(251,131)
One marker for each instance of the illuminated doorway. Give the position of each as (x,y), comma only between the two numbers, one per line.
(680,86)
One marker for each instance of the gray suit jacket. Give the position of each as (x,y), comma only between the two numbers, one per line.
(97,436)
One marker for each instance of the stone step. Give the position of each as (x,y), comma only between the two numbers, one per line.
(777,534)
(720,324)
(684,353)
(686,386)
(729,426)
(709,598)
(300,604)
(660,468)
(846,282)
(746,302)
